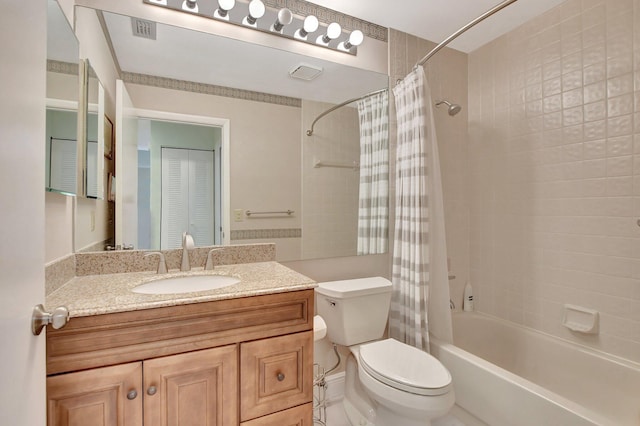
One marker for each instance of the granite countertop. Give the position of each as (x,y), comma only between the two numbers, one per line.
(110,293)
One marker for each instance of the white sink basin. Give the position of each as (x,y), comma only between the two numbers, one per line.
(186,284)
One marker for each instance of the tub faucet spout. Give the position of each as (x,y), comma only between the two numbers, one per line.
(187,243)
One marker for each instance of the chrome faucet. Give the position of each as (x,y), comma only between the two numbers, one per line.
(209,265)
(162,264)
(187,243)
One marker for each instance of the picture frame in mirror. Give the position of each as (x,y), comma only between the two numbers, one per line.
(108,138)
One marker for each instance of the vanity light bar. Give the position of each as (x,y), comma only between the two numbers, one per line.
(281,22)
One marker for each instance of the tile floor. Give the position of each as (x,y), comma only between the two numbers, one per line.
(336,417)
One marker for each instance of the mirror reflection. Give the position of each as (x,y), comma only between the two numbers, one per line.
(94,158)
(63,88)
(62,103)
(266,179)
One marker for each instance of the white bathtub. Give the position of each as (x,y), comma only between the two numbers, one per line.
(508,375)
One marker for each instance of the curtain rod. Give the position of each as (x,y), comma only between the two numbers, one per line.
(455,35)
(335,107)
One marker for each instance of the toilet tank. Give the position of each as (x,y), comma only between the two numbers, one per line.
(355,311)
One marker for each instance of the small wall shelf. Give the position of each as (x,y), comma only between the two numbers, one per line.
(581,320)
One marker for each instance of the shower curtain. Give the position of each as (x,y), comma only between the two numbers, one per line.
(373,210)
(420,298)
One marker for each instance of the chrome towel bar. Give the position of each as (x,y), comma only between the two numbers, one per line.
(287,212)
(353,165)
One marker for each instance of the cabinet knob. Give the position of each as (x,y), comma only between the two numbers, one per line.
(132,394)
(280,377)
(152,390)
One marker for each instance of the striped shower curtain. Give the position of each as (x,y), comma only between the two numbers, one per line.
(373,210)
(420,298)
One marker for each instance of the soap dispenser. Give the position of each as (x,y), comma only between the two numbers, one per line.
(467,302)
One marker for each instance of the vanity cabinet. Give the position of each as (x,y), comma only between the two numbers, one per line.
(193,388)
(245,361)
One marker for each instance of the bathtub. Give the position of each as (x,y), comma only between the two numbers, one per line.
(509,375)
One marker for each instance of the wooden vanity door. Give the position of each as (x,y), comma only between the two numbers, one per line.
(195,388)
(276,373)
(107,396)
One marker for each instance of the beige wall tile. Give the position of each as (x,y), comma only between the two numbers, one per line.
(553,200)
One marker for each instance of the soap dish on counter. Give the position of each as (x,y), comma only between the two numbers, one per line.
(581,320)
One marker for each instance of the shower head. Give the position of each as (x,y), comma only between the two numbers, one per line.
(453,108)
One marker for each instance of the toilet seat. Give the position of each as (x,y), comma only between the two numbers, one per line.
(405,368)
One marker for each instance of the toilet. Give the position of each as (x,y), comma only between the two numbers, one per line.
(387,383)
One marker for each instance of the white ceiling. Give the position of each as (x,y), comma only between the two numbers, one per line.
(435,20)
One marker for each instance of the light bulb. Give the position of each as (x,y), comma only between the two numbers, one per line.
(355,39)
(256,11)
(333,31)
(224,6)
(284,18)
(190,6)
(310,25)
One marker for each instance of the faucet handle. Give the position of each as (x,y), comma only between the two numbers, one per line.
(187,241)
(162,264)
(209,265)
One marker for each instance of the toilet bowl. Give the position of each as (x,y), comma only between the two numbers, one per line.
(407,383)
(387,383)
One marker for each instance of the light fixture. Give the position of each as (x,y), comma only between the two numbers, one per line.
(256,11)
(310,25)
(224,6)
(355,39)
(285,17)
(333,32)
(269,18)
(190,6)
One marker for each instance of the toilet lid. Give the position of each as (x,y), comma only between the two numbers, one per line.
(405,367)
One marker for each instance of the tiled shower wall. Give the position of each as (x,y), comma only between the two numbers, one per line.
(554,171)
(330,194)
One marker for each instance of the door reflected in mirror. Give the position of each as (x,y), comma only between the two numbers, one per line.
(62,103)
(179,181)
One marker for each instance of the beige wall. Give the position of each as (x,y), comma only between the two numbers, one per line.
(554,179)
(447,77)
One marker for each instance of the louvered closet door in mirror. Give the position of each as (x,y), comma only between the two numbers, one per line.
(187,196)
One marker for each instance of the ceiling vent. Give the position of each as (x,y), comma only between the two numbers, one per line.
(143,28)
(305,72)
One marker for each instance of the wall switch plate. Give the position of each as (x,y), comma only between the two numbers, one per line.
(93,220)
(238,215)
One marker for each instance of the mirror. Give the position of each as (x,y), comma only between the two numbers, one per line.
(62,103)
(285,187)
(69,157)
(94,128)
